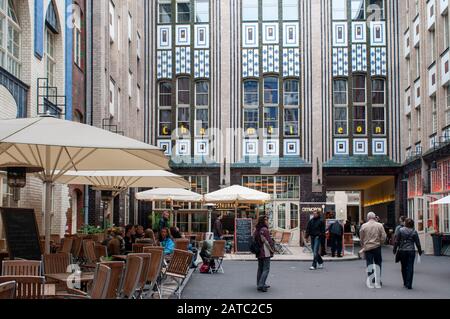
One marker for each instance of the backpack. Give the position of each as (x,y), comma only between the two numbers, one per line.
(254,246)
(204,269)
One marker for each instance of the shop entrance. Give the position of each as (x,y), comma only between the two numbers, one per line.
(287,218)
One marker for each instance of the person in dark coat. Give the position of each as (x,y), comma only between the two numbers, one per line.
(164,221)
(129,238)
(266,250)
(336,233)
(405,244)
(316,231)
(217,230)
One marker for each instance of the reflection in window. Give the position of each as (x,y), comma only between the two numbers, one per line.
(202,93)
(340,107)
(358,9)
(250,10)
(339,9)
(202,11)
(376,7)
(184,95)
(290,10)
(291,122)
(270,10)
(271,121)
(201,122)
(251,93)
(251,122)
(359,89)
(291,93)
(270,91)
(165,11)
(183,11)
(165,122)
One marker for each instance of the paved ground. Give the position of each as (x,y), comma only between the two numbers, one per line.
(338,280)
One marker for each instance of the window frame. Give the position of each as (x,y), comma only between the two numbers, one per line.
(196,2)
(265,91)
(162,3)
(245,128)
(256,93)
(188,2)
(340,106)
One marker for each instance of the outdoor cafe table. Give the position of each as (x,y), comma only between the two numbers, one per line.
(85,278)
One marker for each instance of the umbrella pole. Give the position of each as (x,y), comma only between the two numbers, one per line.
(48,207)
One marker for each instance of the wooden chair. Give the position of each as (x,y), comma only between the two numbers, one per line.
(102,281)
(100,251)
(116,278)
(56,263)
(2,244)
(182,244)
(56,239)
(155,268)
(27,287)
(66,245)
(146,262)
(131,277)
(348,242)
(218,254)
(76,248)
(8,290)
(90,258)
(178,268)
(139,248)
(21,268)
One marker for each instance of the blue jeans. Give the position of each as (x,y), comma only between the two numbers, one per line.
(315,246)
(263,272)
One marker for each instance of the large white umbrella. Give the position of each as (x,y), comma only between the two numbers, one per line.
(58,146)
(237,194)
(121,180)
(442,201)
(169,194)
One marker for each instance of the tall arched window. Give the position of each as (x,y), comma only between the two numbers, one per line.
(77,34)
(51,31)
(340,105)
(10,38)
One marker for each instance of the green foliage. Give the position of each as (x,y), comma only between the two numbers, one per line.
(91,230)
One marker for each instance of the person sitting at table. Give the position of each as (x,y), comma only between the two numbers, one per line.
(175,233)
(149,238)
(129,239)
(116,244)
(139,232)
(166,241)
(206,252)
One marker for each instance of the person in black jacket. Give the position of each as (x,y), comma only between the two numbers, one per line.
(316,231)
(336,233)
(405,245)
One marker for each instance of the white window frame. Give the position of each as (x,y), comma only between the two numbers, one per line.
(112,21)
(77,35)
(374,105)
(290,7)
(190,12)
(247,6)
(197,10)
(360,104)
(162,2)
(130,27)
(112,97)
(130,84)
(10,49)
(340,106)
(50,61)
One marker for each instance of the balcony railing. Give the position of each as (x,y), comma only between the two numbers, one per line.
(49,101)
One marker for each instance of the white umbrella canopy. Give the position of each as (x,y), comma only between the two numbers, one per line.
(237,194)
(58,146)
(120,180)
(443,201)
(169,194)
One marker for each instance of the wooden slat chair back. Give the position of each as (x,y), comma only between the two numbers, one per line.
(131,277)
(27,287)
(8,290)
(116,278)
(182,244)
(277,236)
(146,263)
(89,251)
(218,254)
(76,247)
(101,251)
(155,266)
(178,268)
(139,248)
(66,245)
(56,263)
(102,282)
(21,268)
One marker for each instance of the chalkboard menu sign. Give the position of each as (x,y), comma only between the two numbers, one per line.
(22,234)
(243,234)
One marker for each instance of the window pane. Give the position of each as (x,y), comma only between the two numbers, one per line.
(165,13)
(270,10)
(202,122)
(376,7)
(359,120)
(378,92)
(184,12)
(165,122)
(290,10)
(339,9)
(202,94)
(359,89)
(165,94)
(291,122)
(340,121)
(340,92)
(251,93)
(202,10)
(251,122)
(250,10)
(270,90)
(291,93)
(184,91)
(358,8)
(271,121)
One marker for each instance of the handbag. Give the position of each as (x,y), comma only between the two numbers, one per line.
(204,269)
(397,257)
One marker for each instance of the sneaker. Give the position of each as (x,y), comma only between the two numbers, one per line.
(312,268)
(321,266)
(263,289)
(377,286)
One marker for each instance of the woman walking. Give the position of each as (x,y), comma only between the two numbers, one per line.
(266,250)
(405,246)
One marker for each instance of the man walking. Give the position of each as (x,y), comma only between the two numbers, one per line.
(373,236)
(336,233)
(217,230)
(316,230)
